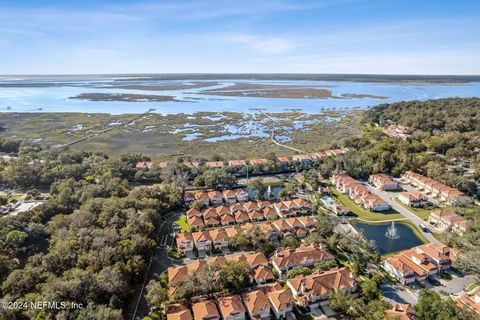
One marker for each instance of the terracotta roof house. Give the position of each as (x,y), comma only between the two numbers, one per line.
(257,304)
(251,205)
(193,212)
(241,216)
(179,273)
(202,240)
(195,222)
(283,160)
(444,219)
(231,307)
(237,163)
(178,311)
(280,299)
(215,196)
(469,301)
(219,238)
(185,242)
(191,164)
(304,256)
(242,195)
(229,196)
(400,270)
(414,199)
(203,196)
(262,274)
(144,165)
(440,255)
(222,210)
(304,159)
(314,289)
(269,213)
(255,259)
(264,204)
(214,164)
(227,219)
(205,310)
(258,162)
(210,212)
(188,197)
(401,312)
(256,215)
(383,182)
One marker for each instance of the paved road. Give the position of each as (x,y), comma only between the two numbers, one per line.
(158,264)
(398,294)
(456,285)
(387,196)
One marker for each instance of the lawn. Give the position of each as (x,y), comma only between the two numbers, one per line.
(363,214)
(472,286)
(182,222)
(419,212)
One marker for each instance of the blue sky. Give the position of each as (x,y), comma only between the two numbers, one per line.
(241,36)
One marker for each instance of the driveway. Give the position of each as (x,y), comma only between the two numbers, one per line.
(158,264)
(457,284)
(387,196)
(398,294)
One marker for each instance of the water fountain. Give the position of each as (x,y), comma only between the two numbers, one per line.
(269,192)
(392,232)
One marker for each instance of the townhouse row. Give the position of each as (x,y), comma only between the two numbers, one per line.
(445,219)
(251,211)
(303,159)
(218,238)
(420,263)
(359,193)
(215,197)
(383,182)
(443,192)
(415,199)
(258,302)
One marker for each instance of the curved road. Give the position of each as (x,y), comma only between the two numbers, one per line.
(159,262)
(386,196)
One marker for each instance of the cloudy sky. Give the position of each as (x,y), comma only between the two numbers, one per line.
(240,36)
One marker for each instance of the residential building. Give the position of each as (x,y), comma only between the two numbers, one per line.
(203,196)
(440,255)
(281,300)
(231,307)
(205,310)
(215,197)
(444,219)
(257,304)
(188,197)
(414,199)
(214,164)
(383,182)
(229,196)
(203,240)
(185,242)
(313,290)
(445,193)
(178,311)
(192,164)
(304,159)
(258,162)
(237,163)
(144,165)
(195,222)
(242,195)
(470,301)
(304,256)
(262,274)
(359,193)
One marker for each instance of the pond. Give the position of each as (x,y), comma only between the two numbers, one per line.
(376,232)
(275,191)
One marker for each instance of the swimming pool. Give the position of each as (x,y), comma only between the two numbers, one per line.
(328,201)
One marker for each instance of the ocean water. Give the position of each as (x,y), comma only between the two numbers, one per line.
(51,94)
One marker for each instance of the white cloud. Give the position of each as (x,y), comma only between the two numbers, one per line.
(264,44)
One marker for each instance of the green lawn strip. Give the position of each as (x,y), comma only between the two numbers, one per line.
(182,222)
(362,213)
(419,212)
(472,286)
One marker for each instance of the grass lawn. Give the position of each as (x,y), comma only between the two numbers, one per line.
(419,212)
(362,213)
(472,286)
(182,222)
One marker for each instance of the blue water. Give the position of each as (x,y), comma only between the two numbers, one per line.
(55,99)
(376,232)
(327,201)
